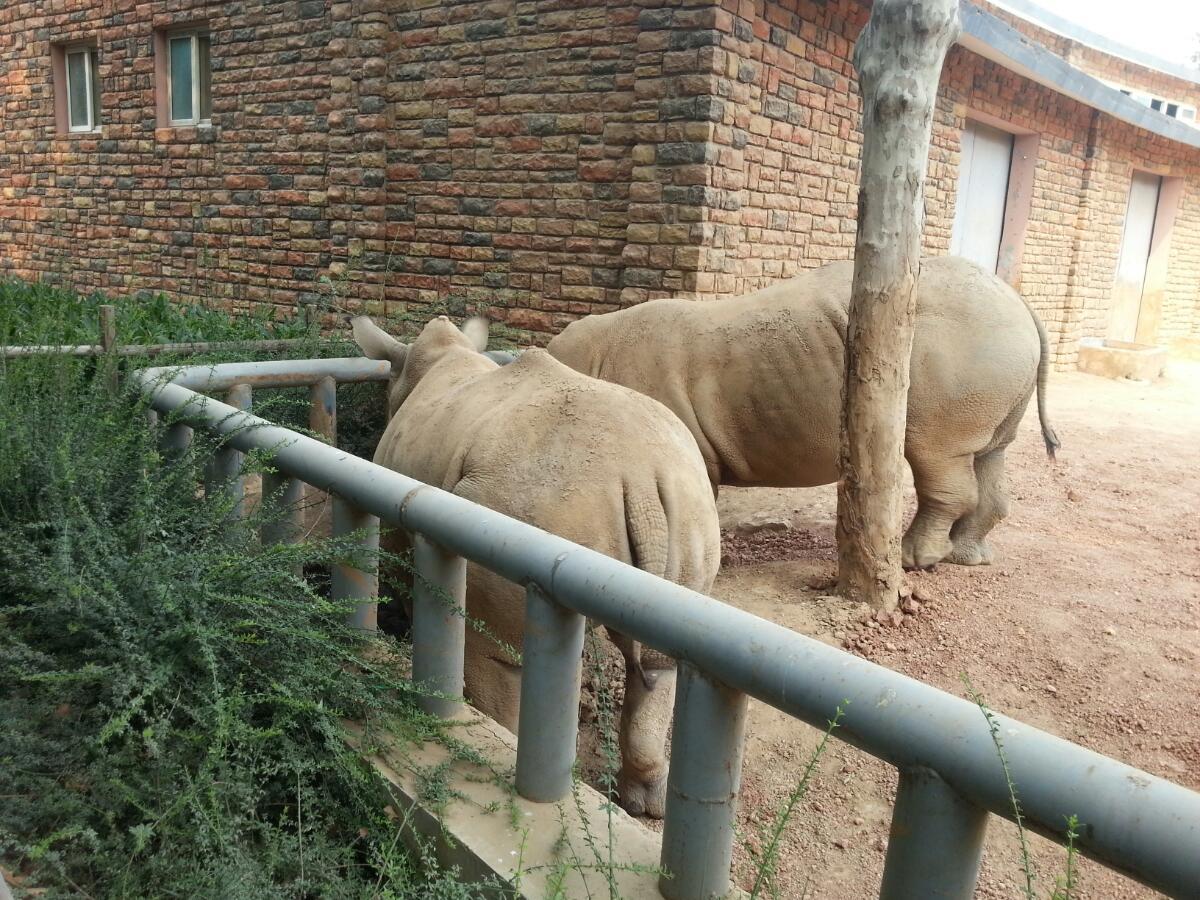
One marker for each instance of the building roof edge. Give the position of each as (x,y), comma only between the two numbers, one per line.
(1051,21)
(994,39)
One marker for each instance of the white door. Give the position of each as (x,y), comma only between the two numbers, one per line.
(982,194)
(1135,252)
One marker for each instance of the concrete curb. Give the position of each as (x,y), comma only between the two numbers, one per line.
(490,833)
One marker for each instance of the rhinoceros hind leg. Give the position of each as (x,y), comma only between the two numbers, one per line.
(645,717)
(946,492)
(492,682)
(969,533)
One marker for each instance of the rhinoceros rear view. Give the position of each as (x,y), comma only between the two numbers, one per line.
(591,462)
(758,381)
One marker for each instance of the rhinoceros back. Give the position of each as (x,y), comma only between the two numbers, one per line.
(758,379)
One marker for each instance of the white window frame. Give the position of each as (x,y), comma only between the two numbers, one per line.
(195,44)
(89,92)
(1148,100)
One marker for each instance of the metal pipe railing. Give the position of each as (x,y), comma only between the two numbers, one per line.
(224,471)
(551,672)
(702,786)
(268,345)
(350,582)
(439,626)
(951,776)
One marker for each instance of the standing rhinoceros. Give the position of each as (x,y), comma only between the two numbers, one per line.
(592,462)
(758,380)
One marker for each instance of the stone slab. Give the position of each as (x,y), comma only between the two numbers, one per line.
(537,850)
(1121,359)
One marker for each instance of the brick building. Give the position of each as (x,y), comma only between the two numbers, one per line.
(553,158)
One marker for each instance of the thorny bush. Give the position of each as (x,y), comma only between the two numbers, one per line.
(172,696)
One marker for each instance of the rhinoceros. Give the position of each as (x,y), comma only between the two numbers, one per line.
(758,380)
(592,462)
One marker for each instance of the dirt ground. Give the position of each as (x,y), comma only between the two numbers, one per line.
(1087,626)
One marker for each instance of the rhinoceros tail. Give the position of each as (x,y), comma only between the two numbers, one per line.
(1043,373)
(649,533)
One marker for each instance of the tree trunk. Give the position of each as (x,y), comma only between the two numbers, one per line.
(899,59)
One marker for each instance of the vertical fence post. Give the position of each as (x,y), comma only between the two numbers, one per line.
(176,440)
(283,510)
(322,410)
(225,468)
(936,841)
(108,343)
(439,627)
(350,582)
(702,787)
(322,420)
(551,669)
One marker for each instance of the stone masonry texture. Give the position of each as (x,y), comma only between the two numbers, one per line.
(542,159)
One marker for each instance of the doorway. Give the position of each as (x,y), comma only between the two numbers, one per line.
(983,175)
(1137,238)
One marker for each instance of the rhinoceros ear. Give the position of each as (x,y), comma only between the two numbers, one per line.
(377,343)
(476,330)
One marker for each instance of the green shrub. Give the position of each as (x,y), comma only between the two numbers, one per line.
(41,313)
(171,696)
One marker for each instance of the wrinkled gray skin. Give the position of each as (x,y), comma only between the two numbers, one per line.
(592,462)
(758,380)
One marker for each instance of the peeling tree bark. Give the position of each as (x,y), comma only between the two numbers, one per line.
(899,59)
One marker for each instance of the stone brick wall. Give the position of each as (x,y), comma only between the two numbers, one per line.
(509,156)
(238,210)
(788,148)
(789,144)
(545,158)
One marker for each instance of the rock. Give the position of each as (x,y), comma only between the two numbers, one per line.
(1110,630)
(762,521)
(911,605)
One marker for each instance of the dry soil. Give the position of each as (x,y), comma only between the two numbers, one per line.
(1087,626)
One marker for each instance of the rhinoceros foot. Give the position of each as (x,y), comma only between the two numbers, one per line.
(971,554)
(642,795)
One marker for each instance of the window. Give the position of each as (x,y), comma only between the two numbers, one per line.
(82,83)
(1172,108)
(189,79)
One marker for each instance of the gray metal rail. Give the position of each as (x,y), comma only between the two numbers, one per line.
(950,775)
(270,345)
